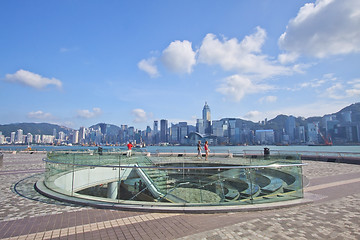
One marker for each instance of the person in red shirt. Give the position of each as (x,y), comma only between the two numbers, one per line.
(129,146)
(207,150)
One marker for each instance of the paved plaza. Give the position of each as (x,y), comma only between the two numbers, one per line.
(24,214)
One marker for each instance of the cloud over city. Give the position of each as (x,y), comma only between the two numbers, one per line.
(244,57)
(89,114)
(236,87)
(322,29)
(268,99)
(179,57)
(140,115)
(149,66)
(32,79)
(40,115)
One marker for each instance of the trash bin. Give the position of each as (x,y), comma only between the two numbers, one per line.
(100,150)
(266,152)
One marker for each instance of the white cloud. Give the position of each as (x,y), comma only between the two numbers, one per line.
(285,58)
(268,99)
(252,115)
(32,79)
(244,57)
(66,49)
(324,28)
(140,115)
(335,91)
(354,90)
(63,50)
(148,66)
(179,57)
(237,86)
(40,115)
(88,114)
(315,83)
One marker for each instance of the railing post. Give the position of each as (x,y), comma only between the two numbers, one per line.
(119,180)
(73,176)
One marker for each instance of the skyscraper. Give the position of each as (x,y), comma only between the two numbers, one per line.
(207,118)
(290,127)
(156,132)
(163,130)
(82,135)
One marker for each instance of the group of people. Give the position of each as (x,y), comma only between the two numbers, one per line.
(199,148)
(206,149)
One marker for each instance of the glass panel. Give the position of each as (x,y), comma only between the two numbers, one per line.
(185,180)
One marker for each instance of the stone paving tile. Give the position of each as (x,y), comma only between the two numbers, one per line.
(316,169)
(13,206)
(338,219)
(37,217)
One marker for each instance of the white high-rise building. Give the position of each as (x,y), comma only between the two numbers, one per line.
(2,139)
(61,136)
(12,137)
(19,136)
(29,138)
(75,137)
(48,139)
(82,135)
(37,138)
(207,118)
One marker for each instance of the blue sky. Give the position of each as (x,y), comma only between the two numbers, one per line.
(78,63)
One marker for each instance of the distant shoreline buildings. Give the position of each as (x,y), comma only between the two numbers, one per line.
(338,129)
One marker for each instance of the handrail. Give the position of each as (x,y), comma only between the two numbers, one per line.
(302,151)
(184,167)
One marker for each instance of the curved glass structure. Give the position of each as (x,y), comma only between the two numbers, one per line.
(180,180)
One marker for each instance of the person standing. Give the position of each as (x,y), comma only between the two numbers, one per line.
(129,146)
(207,150)
(199,149)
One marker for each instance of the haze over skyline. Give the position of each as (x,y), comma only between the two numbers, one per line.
(77,63)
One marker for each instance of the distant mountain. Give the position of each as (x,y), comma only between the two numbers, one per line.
(354,108)
(279,121)
(33,128)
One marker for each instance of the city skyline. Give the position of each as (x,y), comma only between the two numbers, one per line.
(78,63)
(342,127)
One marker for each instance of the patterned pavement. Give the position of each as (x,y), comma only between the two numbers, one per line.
(27,215)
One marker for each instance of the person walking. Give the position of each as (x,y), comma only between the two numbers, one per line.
(199,150)
(207,150)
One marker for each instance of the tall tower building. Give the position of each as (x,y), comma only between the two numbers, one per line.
(207,118)
(163,130)
(82,135)
(290,127)
(156,132)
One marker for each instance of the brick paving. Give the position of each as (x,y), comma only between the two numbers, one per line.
(28,215)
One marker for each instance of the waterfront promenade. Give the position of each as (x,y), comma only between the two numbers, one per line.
(334,214)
